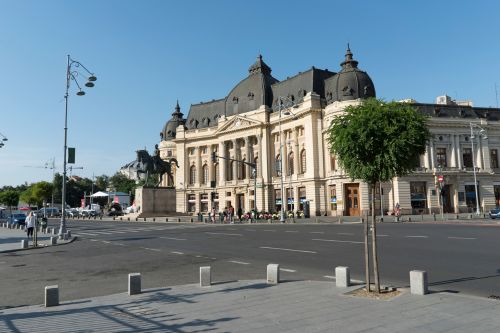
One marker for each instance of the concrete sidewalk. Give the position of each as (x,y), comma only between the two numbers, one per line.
(10,240)
(253,306)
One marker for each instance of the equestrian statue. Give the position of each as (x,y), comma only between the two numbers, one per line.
(151,165)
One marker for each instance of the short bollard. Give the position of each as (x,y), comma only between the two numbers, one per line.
(418,282)
(205,276)
(53,240)
(65,236)
(68,233)
(24,244)
(342,277)
(134,283)
(273,274)
(51,296)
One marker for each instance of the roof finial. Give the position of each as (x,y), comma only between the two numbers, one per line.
(349,61)
(177,107)
(348,48)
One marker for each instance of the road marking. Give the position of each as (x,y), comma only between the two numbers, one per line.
(291,231)
(106,242)
(86,234)
(336,241)
(379,235)
(317,232)
(93,240)
(417,236)
(173,238)
(102,233)
(239,262)
(232,229)
(222,233)
(461,238)
(250,230)
(269,230)
(345,233)
(282,249)
(120,244)
(329,277)
(175,252)
(150,249)
(287,270)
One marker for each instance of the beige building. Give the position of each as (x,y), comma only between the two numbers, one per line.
(256,119)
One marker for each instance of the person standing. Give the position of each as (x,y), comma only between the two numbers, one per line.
(240,213)
(30,224)
(230,214)
(212,215)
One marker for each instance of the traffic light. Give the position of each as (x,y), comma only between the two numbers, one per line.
(212,196)
(214,157)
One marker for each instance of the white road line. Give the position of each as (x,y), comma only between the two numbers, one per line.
(175,252)
(287,270)
(120,244)
(232,229)
(86,234)
(93,240)
(106,242)
(317,232)
(173,238)
(329,277)
(222,233)
(345,233)
(379,235)
(102,233)
(291,231)
(461,237)
(239,262)
(250,230)
(416,236)
(282,249)
(150,249)
(269,230)
(336,241)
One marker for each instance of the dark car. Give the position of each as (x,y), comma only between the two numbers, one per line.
(115,210)
(494,213)
(17,219)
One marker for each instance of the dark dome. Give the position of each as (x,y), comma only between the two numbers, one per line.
(350,83)
(168,132)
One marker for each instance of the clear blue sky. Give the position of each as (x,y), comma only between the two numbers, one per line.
(148,54)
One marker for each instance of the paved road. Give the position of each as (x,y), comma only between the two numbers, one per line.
(461,258)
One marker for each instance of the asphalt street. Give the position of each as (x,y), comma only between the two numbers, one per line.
(458,258)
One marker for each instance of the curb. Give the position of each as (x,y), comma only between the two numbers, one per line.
(40,247)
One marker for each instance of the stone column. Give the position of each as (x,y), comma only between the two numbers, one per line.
(296,199)
(295,146)
(433,154)
(480,160)
(235,156)
(222,163)
(426,157)
(211,165)
(199,168)
(459,155)
(485,149)
(248,158)
(259,147)
(454,152)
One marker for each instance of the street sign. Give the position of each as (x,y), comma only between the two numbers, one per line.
(440,178)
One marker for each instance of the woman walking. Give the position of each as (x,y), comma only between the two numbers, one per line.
(30,224)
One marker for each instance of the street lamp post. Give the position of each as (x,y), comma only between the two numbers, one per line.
(281,107)
(71,74)
(474,128)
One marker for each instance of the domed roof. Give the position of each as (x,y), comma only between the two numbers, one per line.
(168,132)
(350,83)
(253,91)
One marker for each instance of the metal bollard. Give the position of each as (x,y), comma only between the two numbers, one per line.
(24,244)
(53,240)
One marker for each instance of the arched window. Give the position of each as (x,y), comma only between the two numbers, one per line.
(192,175)
(216,173)
(303,161)
(277,163)
(332,162)
(290,164)
(205,174)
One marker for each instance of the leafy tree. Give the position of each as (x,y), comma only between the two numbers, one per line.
(10,198)
(28,196)
(376,141)
(42,191)
(101,183)
(121,183)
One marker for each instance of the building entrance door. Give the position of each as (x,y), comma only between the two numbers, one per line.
(446,196)
(240,202)
(352,199)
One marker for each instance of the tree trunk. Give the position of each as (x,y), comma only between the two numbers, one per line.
(367,256)
(374,243)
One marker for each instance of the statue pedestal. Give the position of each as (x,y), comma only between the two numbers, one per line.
(155,201)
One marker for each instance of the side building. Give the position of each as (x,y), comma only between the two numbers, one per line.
(257,123)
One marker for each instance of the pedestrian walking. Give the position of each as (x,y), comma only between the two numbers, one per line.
(240,213)
(212,215)
(30,224)
(230,214)
(225,214)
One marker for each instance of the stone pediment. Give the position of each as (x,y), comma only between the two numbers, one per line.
(238,123)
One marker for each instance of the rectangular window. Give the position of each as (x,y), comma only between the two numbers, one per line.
(169,153)
(302,197)
(191,203)
(441,157)
(333,166)
(277,199)
(467,157)
(289,199)
(494,158)
(204,150)
(204,202)
(333,197)
(418,196)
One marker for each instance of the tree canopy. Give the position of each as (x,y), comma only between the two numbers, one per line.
(377,141)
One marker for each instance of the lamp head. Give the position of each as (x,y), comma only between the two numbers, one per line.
(5,139)
(80,93)
(89,84)
(92,78)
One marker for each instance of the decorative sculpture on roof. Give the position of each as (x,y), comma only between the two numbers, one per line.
(153,165)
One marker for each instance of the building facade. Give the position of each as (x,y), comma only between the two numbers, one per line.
(254,124)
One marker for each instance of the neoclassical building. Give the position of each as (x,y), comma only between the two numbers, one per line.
(250,124)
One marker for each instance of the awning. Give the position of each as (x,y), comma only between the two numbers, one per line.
(99,194)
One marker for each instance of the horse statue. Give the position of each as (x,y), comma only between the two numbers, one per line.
(150,165)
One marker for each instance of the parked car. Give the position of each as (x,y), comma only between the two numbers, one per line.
(17,219)
(115,210)
(72,212)
(88,212)
(49,211)
(494,213)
